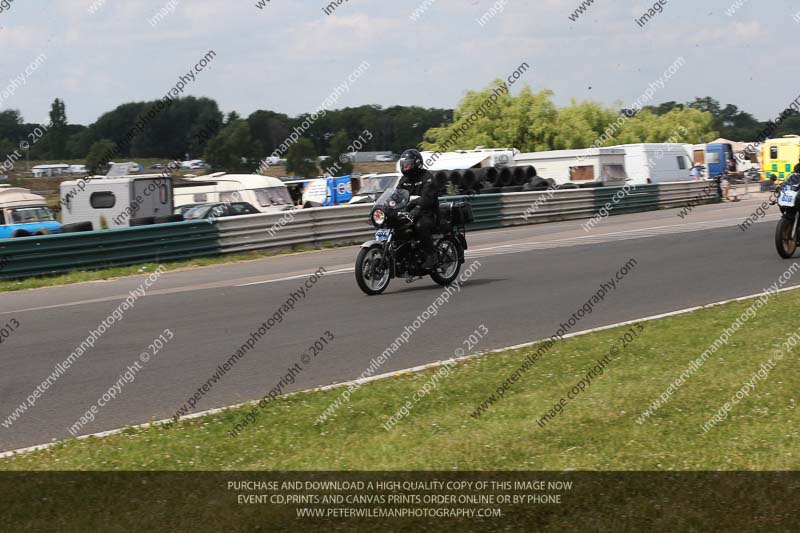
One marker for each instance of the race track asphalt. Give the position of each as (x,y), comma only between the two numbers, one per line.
(530,280)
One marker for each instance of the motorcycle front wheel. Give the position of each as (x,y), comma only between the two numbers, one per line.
(372,272)
(784,242)
(448,253)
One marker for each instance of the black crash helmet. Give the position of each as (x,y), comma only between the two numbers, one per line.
(411,164)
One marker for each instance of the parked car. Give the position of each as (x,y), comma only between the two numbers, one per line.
(220,210)
(157,166)
(274,161)
(194,164)
(183,209)
(23,214)
(385,158)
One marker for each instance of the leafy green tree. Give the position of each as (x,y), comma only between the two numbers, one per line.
(790,125)
(232,149)
(580,125)
(97,160)
(11,127)
(687,125)
(731,122)
(79,143)
(300,159)
(493,118)
(152,129)
(57,133)
(269,130)
(231,117)
(6,149)
(665,107)
(337,162)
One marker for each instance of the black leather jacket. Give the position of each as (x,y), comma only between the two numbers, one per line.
(427,205)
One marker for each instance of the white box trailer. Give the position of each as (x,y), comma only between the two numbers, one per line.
(591,165)
(657,162)
(116,200)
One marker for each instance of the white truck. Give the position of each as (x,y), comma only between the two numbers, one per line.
(657,162)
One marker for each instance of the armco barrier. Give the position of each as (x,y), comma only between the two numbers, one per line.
(349,224)
(305,227)
(550,206)
(487,210)
(53,254)
(32,256)
(327,225)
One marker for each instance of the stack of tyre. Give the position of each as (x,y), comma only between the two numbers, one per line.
(66,228)
(490,180)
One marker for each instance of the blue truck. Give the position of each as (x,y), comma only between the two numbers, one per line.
(23,214)
(715,157)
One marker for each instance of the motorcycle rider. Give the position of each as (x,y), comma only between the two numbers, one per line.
(425,209)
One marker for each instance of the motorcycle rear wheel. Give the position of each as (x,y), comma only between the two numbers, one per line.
(448,253)
(371,275)
(784,243)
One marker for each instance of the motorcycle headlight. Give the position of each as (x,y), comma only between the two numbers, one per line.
(378,217)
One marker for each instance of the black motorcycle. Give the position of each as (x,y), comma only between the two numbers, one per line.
(396,253)
(786,236)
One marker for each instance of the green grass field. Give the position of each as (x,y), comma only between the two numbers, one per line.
(596,431)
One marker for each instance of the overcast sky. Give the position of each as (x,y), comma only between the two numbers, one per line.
(290,55)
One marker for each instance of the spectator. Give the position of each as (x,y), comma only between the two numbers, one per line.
(724,186)
(695,172)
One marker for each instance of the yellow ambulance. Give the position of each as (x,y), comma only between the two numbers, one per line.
(779,156)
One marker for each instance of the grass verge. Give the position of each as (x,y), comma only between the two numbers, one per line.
(133,270)
(596,431)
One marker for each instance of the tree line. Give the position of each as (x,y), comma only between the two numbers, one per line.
(195,128)
(531,122)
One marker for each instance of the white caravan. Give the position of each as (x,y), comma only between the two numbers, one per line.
(657,162)
(591,165)
(117,200)
(267,194)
